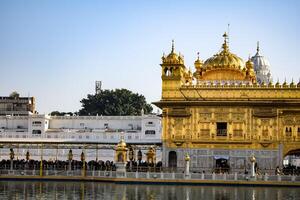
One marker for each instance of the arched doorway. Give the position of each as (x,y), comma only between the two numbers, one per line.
(172,159)
(291,162)
(221,164)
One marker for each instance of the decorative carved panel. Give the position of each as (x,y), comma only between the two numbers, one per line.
(179,112)
(265,112)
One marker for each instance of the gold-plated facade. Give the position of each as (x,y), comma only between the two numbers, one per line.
(222,108)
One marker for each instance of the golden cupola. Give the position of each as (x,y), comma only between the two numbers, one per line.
(224,66)
(173,58)
(174,71)
(250,73)
(198,65)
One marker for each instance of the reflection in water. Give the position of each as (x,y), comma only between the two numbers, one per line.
(110,191)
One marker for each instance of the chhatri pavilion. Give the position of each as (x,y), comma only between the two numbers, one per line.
(226,111)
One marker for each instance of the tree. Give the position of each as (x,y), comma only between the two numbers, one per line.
(14,95)
(114,102)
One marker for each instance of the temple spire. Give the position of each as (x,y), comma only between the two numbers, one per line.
(257,48)
(172,46)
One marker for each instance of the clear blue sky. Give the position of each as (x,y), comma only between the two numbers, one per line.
(55,50)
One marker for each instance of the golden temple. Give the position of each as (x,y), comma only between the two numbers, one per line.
(221,114)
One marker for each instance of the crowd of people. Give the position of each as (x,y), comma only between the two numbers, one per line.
(57,165)
(77,165)
(291,170)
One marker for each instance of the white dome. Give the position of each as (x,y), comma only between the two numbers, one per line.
(261,68)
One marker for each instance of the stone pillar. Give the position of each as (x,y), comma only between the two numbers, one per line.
(252,160)
(187,165)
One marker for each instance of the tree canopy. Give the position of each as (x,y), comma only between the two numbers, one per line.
(14,95)
(114,102)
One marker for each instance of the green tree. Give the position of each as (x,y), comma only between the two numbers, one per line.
(14,95)
(114,102)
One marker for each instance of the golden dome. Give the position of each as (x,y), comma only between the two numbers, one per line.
(172,58)
(198,63)
(226,66)
(277,84)
(252,158)
(292,84)
(224,60)
(285,85)
(121,144)
(187,157)
(249,64)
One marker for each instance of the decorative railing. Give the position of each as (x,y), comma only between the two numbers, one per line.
(149,175)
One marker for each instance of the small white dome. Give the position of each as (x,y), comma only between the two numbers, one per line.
(261,67)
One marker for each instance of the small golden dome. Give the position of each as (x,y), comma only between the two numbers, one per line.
(173,58)
(198,63)
(292,84)
(285,85)
(249,64)
(187,157)
(252,159)
(270,84)
(277,84)
(121,144)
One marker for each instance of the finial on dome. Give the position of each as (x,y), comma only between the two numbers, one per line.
(198,55)
(225,37)
(225,45)
(257,48)
(172,46)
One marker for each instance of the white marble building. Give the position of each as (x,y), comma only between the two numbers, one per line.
(75,132)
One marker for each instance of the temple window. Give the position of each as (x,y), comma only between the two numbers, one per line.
(221,129)
(106,125)
(168,72)
(150,132)
(36,132)
(36,123)
(288,131)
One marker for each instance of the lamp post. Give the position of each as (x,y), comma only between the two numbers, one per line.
(12,156)
(41,163)
(139,157)
(27,158)
(82,157)
(187,165)
(70,158)
(253,160)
